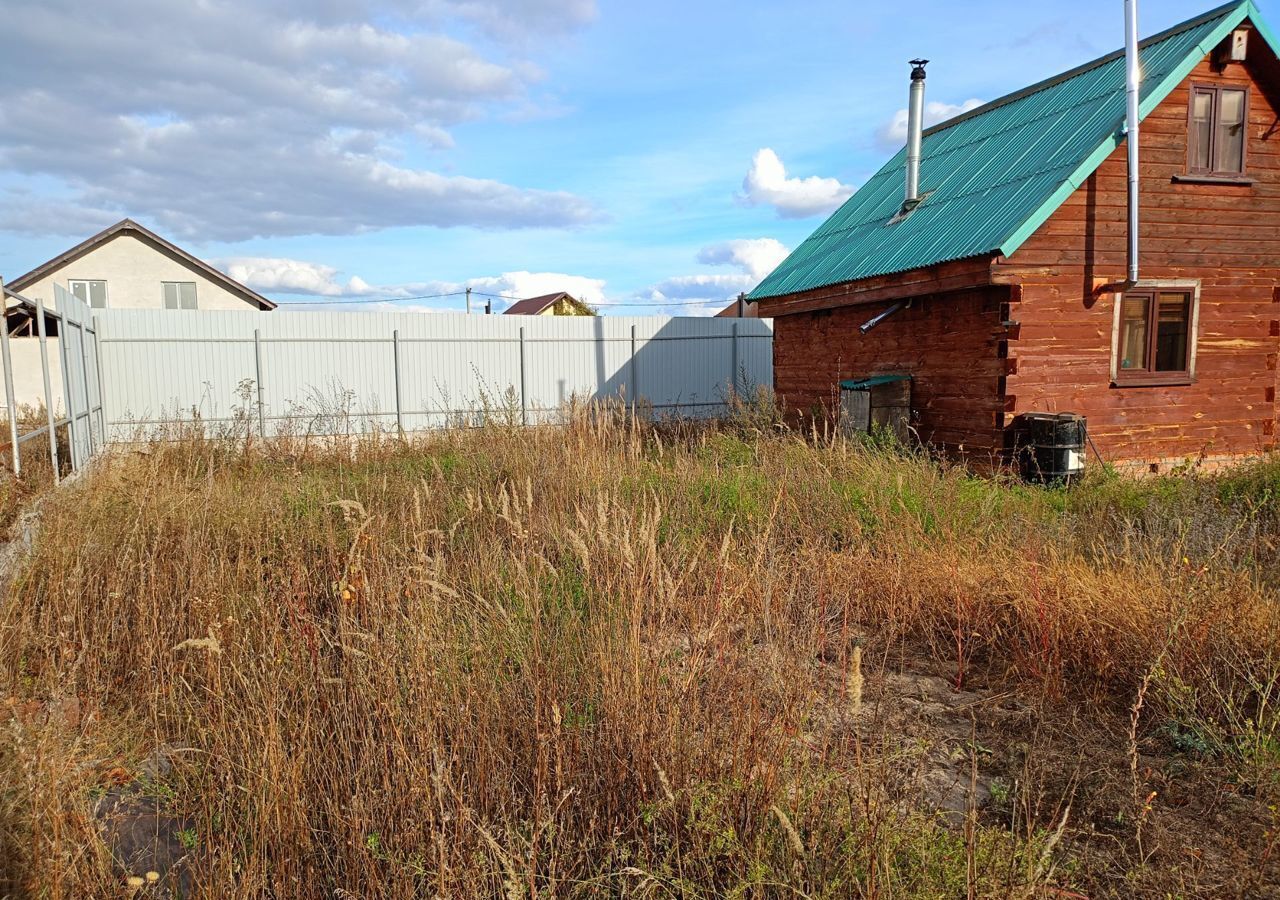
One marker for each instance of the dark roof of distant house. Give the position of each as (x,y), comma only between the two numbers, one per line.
(128,226)
(992,176)
(534,306)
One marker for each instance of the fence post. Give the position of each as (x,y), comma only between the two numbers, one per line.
(395,346)
(634,386)
(733,381)
(524,392)
(88,401)
(68,391)
(8,385)
(102,390)
(257,367)
(48,388)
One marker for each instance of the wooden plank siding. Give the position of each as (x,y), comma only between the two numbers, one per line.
(973,375)
(951,344)
(1223,235)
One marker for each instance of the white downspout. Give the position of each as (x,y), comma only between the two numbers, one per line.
(1132,82)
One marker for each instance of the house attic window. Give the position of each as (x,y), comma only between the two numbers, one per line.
(179,294)
(1217,131)
(94,293)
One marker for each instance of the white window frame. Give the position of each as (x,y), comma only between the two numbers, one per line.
(106,301)
(195,302)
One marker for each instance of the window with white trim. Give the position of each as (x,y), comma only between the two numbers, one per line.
(91,292)
(1155,335)
(1218,127)
(179,294)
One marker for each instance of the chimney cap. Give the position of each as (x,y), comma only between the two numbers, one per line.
(917,72)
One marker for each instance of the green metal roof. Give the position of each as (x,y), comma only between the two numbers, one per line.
(992,176)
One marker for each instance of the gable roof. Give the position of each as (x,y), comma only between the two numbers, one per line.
(128,226)
(995,174)
(534,306)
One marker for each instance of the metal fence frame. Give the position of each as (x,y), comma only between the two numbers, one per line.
(80,365)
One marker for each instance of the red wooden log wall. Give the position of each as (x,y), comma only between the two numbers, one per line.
(949,343)
(1227,236)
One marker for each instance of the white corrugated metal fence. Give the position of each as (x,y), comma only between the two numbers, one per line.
(335,372)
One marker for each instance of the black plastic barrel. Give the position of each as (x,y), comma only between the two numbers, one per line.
(1053,447)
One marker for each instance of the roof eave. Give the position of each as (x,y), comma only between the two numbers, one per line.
(753,297)
(860,291)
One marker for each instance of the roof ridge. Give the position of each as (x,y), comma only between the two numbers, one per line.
(1054,80)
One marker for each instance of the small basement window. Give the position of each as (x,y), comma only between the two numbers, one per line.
(879,402)
(94,293)
(1155,335)
(179,294)
(1216,131)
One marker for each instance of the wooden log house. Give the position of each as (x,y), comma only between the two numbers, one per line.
(1007,280)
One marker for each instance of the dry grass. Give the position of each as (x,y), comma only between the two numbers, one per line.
(17,494)
(613,660)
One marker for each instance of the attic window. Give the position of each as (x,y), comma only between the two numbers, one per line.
(1216,131)
(93,293)
(179,294)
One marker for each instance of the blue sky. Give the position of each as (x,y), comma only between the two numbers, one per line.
(357,150)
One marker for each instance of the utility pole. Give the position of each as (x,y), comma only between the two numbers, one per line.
(488,307)
(742,305)
(468,301)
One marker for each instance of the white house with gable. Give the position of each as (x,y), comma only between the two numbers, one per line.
(126,266)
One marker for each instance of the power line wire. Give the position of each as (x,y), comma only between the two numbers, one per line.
(344,302)
(619,302)
(337,301)
(667,303)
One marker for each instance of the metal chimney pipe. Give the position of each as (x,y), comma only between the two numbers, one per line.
(1132,82)
(915,130)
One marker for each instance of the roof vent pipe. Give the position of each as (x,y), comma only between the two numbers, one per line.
(1132,81)
(915,130)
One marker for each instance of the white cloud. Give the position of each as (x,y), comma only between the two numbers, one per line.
(271,118)
(712,288)
(756,257)
(893,134)
(278,275)
(535,284)
(281,275)
(699,294)
(767,184)
(695,295)
(705,294)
